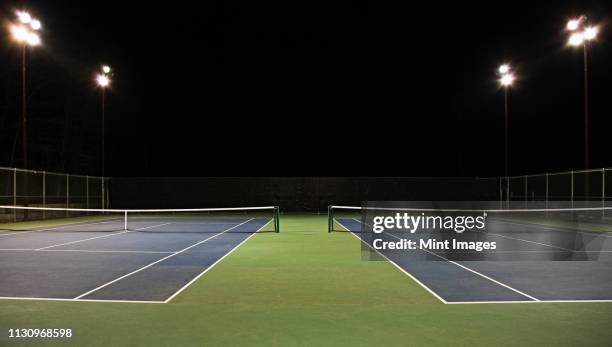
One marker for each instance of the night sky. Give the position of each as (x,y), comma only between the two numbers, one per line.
(308,89)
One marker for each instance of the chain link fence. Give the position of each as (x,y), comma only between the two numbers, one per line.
(579,188)
(19,187)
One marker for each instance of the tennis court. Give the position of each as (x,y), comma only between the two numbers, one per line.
(118,255)
(538,258)
(305,286)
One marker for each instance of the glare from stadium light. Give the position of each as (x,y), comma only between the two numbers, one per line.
(20,34)
(33,39)
(576,39)
(25,32)
(506,80)
(103,80)
(35,24)
(504,69)
(573,24)
(24,17)
(590,33)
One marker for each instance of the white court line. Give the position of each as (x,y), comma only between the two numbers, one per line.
(164,302)
(158,261)
(82,251)
(213,264)
(530,251)
(397,266)
(468,269)
(534,242)
(100,237)
(192,223)
(549,228)
(559,228)
(526,302)
(104,251)
(170,252)
(80,300)
(60,227)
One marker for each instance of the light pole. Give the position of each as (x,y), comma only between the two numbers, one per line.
(506,79)
(24,32)
(103,81)
(581,33)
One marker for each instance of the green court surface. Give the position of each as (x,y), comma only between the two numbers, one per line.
(306,287)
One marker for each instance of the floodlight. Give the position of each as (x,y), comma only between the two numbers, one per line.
(573,24)
(33,39)
(19,33)
(102,80)
(24,17)
(576,39)
(590,33)
(506,80)
(504,69)
(35,24)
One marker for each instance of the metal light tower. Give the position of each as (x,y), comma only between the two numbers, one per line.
(24,32)
(103,80)
(581,34)
(506,79)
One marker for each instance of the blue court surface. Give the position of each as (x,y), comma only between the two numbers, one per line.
(153,261)
(532,263)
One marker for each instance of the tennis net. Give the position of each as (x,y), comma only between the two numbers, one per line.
(197,220)
(588,219)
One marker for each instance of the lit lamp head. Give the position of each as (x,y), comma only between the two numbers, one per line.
(579,32)
(35,24)
(573,24)
(102,80)
(576,39)
(506,77)
(590,33)
(106,69)
(24,17)
(26,31)
(506,80)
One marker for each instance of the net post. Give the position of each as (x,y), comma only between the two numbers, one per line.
(572,188)
(125,212)
(102,192)
(276,219)
(547,190)
(501,194)
(603,193)
(330,218)
(14,194)
(44,191)
(67,194)
(526,190)
(507,191)
(87,191)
